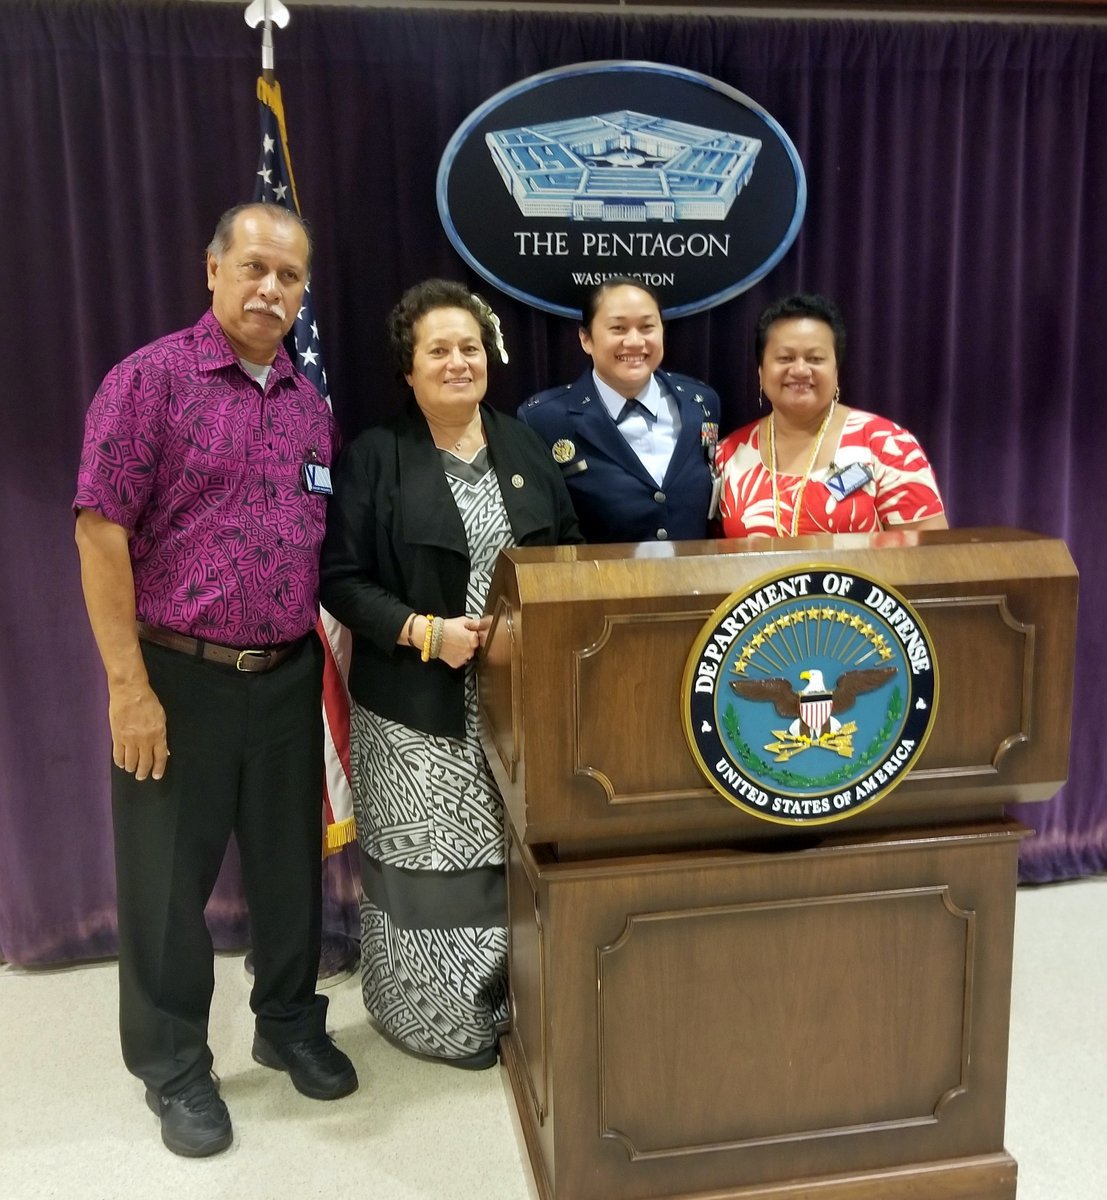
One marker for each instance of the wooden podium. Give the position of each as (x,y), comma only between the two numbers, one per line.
(708,1005)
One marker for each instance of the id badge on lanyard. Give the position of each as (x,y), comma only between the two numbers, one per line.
(316,476)
(848,480)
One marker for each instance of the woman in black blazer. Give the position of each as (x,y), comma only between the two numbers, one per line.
(422,507)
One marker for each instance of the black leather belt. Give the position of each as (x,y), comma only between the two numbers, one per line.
(264,658)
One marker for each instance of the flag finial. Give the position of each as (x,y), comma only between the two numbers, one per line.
(265,13)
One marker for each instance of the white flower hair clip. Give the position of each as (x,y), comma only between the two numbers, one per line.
(494,321)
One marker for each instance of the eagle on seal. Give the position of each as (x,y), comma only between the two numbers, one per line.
(813,708)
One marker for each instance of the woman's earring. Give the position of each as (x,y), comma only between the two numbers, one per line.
(760,398)
(837,393)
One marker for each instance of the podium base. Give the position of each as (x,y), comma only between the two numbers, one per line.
(822,1024)
(990,1177)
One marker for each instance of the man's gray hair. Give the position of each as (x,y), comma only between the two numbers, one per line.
(224,231)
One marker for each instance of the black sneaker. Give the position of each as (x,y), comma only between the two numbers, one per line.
(194,1121)
(317,1067)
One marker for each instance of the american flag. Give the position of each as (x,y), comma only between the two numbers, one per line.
(275,184)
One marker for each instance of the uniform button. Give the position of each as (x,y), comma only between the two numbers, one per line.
(662,535)
(659,497)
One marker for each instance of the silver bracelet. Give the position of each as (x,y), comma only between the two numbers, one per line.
(437,636)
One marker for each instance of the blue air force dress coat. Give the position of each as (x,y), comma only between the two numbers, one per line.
(615,497)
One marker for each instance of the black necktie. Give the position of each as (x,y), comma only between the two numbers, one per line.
(631,406)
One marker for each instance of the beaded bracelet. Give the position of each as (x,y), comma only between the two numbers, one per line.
(427,638)
(437,636)
(410,627)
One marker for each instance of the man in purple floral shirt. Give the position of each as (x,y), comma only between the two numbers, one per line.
(201,505)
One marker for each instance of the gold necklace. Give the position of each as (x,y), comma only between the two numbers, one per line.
(806,475)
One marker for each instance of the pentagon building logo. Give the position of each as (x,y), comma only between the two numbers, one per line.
(809,696)
(623,166)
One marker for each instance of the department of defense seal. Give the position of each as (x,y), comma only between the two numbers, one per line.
(809,695)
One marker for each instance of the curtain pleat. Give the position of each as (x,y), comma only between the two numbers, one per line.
(951,171)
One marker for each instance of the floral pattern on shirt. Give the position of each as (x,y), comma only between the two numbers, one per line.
(902,487)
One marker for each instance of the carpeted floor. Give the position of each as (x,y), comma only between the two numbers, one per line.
(73,1123)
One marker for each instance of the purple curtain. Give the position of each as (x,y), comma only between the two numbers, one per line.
(951,170)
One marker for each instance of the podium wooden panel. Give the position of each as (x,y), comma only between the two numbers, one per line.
(706,1005)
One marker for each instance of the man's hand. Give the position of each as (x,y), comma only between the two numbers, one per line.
(138,740)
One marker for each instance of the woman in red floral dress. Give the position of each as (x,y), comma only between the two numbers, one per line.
(813,464)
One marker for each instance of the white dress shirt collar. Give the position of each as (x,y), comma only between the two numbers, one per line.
(649,397)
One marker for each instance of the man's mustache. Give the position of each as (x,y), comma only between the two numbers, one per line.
(274,310)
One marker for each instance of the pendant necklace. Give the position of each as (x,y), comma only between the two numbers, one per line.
(461,440)
(806,475)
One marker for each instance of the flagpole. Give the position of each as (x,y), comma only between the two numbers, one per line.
(265,13)
(338,952)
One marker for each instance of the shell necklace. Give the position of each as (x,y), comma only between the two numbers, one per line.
(806,475)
